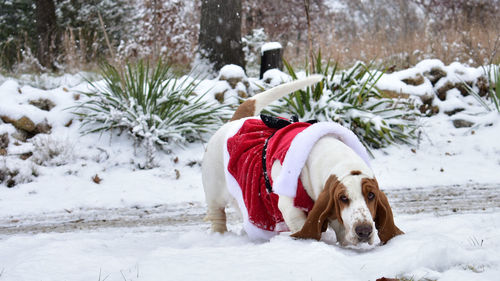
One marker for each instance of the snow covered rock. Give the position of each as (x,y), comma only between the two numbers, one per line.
(24,123)
(43,127)
(233,74)
(232,83)
(460,77)
(4,143)
(460,123)
(415,80)
(43,104)
(430,79)
(434,74)
(27,125)
(4,140)
(482,85)
(408,82)
(275,77)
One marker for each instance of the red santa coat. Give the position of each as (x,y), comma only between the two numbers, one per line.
(245,150)
(290,145)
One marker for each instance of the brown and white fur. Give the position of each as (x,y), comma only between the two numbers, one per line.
(346,193)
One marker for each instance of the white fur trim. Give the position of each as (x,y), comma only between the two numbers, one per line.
(301,146)
(253,232)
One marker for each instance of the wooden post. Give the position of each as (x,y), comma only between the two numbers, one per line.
(270,57)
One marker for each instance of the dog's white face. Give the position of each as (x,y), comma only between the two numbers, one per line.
(355,202)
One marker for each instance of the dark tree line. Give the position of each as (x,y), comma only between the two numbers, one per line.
(38,29)
(15,17)
(51,33)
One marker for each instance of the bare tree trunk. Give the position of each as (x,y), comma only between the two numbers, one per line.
(46,27)
(220,32)
(310,52)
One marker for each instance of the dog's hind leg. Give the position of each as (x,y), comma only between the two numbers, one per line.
(216,209)
(214,183)
(216,196)
(217,217)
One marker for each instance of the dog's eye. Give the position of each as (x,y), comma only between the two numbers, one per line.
(344,199)
(371,195)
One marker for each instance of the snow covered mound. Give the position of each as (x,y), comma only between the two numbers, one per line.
(231,85)
(441,88)
(34,110)
(25,113)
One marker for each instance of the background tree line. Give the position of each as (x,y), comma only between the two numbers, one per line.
(66,35)
(41,30)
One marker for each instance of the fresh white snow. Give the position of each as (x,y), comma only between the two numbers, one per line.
(270,46)
(232,71)
(459,247)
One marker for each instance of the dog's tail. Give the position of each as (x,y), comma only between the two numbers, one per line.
(253,106)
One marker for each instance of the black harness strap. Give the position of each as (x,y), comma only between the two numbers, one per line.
(264,168)
(275,123)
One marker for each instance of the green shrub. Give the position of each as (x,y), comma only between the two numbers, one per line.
(350,98)
(151,104)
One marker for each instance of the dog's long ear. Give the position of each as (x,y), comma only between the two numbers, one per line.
(324,208)
(384,220)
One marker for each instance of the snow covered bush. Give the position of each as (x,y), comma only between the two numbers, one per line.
(350,98)
(16,172)
(150,103)
(51,151)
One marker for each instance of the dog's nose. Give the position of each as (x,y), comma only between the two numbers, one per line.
(363,231)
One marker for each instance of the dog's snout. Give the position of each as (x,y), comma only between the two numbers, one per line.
(363,231)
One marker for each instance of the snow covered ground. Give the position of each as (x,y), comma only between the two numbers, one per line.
(458,247)
(449,241)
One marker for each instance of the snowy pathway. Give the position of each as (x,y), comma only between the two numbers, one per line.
(437,200)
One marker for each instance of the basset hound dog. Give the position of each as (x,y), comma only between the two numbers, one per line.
(294,176)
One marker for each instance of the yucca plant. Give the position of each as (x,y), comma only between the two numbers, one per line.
(350,98)
(305,104)
(494,86)
(493,96)
(151,104)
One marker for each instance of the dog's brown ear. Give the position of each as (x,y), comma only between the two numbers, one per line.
(384,220)
(324,208)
